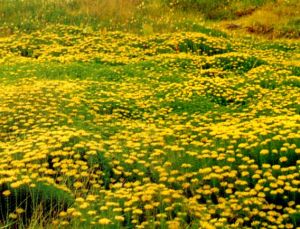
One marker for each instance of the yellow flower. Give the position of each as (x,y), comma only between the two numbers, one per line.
(117,209)
(63,214)
(146,198)
(77,184)
(79,199)
(20,210)
(276,167)
(6,193)
(91,197)
(76,214)
(15,184)
(103,208)
(283,159)
(84,205)
(148,207)
(137,211)
(91,212)
(173,224)
(264,152)
(185,185)
(104,221)
(64,222)
(119,218)
(206,225)
(13,216)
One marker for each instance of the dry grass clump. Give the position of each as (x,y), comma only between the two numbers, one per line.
(276,19)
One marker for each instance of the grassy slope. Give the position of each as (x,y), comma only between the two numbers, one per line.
(278,18)
(115,130)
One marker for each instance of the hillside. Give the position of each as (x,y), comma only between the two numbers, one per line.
(104,126)
(270,18)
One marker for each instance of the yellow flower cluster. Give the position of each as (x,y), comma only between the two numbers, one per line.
(167,131)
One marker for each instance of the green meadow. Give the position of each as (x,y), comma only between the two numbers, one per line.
(149,114)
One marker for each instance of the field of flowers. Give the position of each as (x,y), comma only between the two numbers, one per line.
(180,130)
